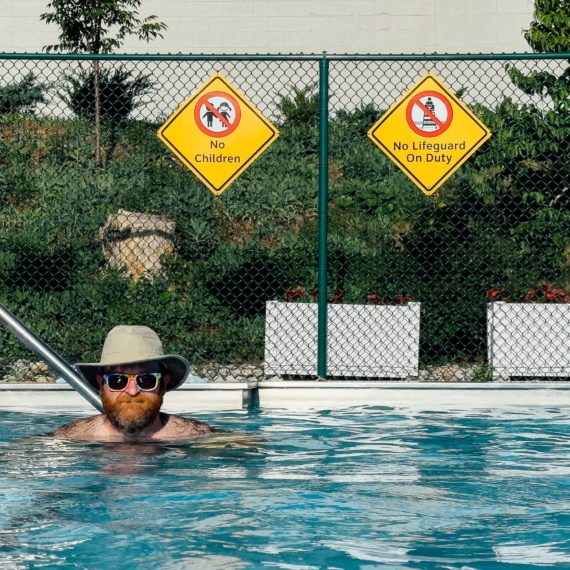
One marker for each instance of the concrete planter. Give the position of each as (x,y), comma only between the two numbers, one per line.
(528,339)
(372,341)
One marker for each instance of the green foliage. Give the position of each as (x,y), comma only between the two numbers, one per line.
(483,373)
(549,32)
(99,26)
(300,108)
(356,123)
(120,93)
(21,96)
(544,84)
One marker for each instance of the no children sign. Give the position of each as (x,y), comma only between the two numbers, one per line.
(429,133)
(217,133)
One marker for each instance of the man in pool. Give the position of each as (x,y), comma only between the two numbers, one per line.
(132,378)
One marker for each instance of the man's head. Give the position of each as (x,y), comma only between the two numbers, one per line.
(132,394)
(133,375)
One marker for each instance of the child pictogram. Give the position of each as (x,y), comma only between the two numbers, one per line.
(217,114)
(429,114)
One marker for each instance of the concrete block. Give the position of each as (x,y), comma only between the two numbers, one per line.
(459,30)
(486,7)
(511,27)
(339,24)
(344,8)
(277,8)
(23,24)
(406,7)
(516,7)
(396,41)
(293,23)
(172,9)
(29,40)
(24,9)
(373,23)
(237,24)
(412,23)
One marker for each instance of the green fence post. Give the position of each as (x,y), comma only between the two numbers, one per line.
(323,214)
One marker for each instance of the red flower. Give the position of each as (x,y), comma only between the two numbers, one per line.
(494,294)
(296,293)
(402,300)
(561,293)
(374,299)
(337,296)
(545,293)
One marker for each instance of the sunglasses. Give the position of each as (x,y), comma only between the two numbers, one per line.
(146,381)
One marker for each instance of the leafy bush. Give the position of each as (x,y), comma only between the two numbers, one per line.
(119,91)
(22,96)
(300,108)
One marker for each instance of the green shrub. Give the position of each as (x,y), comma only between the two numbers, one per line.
(22,96)
(120,93)
(301,107)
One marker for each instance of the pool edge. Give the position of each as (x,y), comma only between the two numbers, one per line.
(48,398)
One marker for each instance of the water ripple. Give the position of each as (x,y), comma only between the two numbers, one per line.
(355,488)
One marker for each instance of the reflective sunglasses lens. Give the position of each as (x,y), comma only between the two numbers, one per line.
(148,381)
(116,381)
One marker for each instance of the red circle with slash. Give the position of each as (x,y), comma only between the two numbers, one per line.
(436,120)
(217,114)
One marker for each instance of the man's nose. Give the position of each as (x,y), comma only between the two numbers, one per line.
(132,387)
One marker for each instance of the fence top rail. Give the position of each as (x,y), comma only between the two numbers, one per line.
(284,57)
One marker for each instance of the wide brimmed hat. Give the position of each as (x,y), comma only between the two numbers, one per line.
(135,345)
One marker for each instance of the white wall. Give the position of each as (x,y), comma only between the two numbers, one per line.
(283,26)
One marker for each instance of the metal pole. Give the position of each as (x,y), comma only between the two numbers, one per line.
(323,215)
(36,345)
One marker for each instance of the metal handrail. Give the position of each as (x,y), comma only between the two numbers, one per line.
(54,361)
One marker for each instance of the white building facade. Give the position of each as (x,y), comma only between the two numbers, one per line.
(303,26)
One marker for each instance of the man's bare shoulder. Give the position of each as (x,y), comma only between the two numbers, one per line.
(97,428)
(179,427)
(81,428)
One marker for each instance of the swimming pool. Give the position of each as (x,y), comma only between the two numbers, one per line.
(362,487)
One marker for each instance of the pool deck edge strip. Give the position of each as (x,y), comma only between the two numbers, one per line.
(299,395)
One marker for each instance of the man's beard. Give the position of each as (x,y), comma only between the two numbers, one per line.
(131,414)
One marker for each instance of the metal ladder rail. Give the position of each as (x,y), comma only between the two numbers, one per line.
(41,349)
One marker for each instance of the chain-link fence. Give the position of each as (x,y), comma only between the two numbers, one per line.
(101,225)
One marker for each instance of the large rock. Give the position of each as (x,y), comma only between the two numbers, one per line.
(136,242)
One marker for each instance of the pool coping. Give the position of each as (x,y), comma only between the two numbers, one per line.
(302,394)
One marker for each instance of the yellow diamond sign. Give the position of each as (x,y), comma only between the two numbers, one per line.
(429,133)
(217,133)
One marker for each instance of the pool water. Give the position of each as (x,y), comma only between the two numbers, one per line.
(357,488)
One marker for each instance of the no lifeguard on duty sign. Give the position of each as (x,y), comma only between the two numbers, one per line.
(429,133)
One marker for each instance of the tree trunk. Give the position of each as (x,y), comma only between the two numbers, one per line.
(97,85)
